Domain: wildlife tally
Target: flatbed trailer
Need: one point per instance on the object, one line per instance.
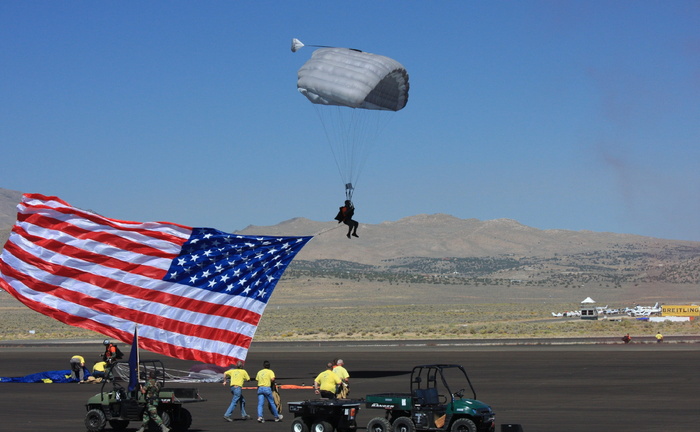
(325, 415)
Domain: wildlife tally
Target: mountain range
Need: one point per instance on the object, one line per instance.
(500, 248)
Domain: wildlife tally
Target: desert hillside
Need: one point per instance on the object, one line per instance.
(469, 251)
(498, 277)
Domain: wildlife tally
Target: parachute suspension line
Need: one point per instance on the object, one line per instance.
(351, 134)
(349, 189)
(341, 136)
(329, 138)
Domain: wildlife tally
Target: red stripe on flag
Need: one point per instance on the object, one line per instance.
(90, 257)
(100, 236)
(127, 314)
(157, 346)
(105, 275)
(102, 220)
(154, 296)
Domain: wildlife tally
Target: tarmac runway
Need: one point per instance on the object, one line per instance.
(545, 388)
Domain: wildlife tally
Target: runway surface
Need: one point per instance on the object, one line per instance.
(557, 388)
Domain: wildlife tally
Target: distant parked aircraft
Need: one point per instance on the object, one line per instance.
(636, 311)
(642, 311)
(566, 314)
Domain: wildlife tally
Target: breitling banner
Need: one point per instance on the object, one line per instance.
(680, 311)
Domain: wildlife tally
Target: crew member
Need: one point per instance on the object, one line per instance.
(344, 386)
(236, 376)
(99, 370)
(111, 353)
(77, 367)
(266, 378)
(151, 391)
(327, 382)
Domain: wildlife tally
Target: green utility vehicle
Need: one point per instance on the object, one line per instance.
(438, 401)
(117, 406)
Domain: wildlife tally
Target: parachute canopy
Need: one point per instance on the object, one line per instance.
(355, 79)
(337, 80)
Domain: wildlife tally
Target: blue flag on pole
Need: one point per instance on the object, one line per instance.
(134, 362)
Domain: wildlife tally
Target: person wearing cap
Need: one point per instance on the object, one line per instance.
(77, 367)
(236, 376)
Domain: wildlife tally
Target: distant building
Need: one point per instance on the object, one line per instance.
(588, 309)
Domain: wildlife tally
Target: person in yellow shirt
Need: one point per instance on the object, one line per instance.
(265, 378)
(77, 367)
(327, 382)
(98, 370)
(236, 376)
(344, 387)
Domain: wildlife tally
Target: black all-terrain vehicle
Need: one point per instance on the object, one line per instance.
(325, 415)
(117, 406)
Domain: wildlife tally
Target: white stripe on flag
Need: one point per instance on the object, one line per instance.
(105, 275)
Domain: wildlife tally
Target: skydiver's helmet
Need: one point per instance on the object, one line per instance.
(105, 342)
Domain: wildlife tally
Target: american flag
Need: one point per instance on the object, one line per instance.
(195, 293)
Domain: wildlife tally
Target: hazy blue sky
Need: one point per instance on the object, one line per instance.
(579, 115)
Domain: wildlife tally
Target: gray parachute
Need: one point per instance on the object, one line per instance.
(355, 79)
(352, 92)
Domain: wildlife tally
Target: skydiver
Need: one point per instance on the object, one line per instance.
(345, 214)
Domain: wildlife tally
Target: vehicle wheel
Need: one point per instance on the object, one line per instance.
(167, 418)
(322, 426)
(95, 420)
(403, 424)
(463, 425)
(180, 420)
(299, 425)
(378, 424)
(119, 425)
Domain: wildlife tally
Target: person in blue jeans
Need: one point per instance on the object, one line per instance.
(236, 376)
(265, 379)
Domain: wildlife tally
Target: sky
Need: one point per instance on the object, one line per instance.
(575, 115)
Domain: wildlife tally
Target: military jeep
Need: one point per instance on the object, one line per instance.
(118, 406)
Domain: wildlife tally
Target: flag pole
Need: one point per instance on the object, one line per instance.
(134, 361)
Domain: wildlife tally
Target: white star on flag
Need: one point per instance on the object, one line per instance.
(188, 289)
